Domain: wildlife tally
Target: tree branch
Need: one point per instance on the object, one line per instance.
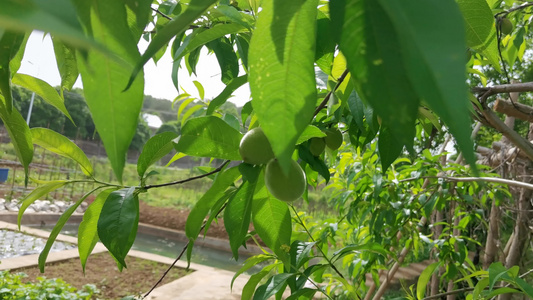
(487, 91)
(161, 13)
(188, 179)
(471, 179)
(517, 110)
(468, 289)
(326, 99)
(512, 135)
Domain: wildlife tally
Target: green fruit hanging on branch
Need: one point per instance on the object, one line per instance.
(255, 148)
(317, 146)
(506, 26)
(285, 187)
(333, 138)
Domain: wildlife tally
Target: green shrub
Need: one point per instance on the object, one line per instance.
(12, 287)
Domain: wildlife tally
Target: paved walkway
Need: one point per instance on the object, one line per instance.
(204, 283)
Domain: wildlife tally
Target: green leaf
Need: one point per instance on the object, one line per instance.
(272, 286)
(57, 229)
(314, 162)
(249, 288)
(435, 63)
(66, 63)
(20, 135)
(424, 278)
(57, 17)
(368, 247)
(325, 43)
(43, 89)
(209, 137)
(300, 253)
(226, 57)
(524, 286)
(14, 64)
(155, 148)
(59, 144)
(243, 43)
(389, 147)
(282, 76)
(504, 290)
(480, 29)
(238, 211)
(272, 222)
(309, 133)
(118, 222)
(172, 29)
(87, 231)
(37, 193)
(200, 89)
(10, 43)
(201, 208)
(306, 293)
(233, 85)
(239, 17)
(250, 262)
(373, 53)
(207, 36)
(496, 271)
(115, 112)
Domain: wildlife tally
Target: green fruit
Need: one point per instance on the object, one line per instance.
(255, 148)
(333, 138)
(283, 187)
(317, 146)
(506, 26)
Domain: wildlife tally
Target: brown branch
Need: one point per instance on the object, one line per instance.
(471, 179)
(522, 144)
(161, 13)
(188, 179)
(517, 110)
(468, 289)
(326, 99)
(487, 91)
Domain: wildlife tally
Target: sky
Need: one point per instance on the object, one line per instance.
(39, 61)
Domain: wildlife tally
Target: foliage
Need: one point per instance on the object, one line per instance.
(13, 287)
(394, 85)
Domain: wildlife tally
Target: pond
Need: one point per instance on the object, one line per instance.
(14, 243)
(171, 248)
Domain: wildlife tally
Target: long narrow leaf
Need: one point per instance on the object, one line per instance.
(61, 145)
(43, 89)
(172, 29)
(88, 231)
(282, 75)
(57, 229)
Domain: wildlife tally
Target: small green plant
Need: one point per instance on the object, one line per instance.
(12, 287)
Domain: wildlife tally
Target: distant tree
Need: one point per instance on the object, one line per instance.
(172, 126)
(141, 135)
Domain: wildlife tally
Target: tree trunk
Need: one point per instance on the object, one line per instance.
(493, 236)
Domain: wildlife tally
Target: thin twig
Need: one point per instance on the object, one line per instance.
(471, 179)
(180, 255)
(319, 248)
(188, 179)
(505, 13)
(326, 99)
(161, 13)
(468, 289)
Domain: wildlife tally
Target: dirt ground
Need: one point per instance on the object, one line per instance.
(102, 271)
(175, 219)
